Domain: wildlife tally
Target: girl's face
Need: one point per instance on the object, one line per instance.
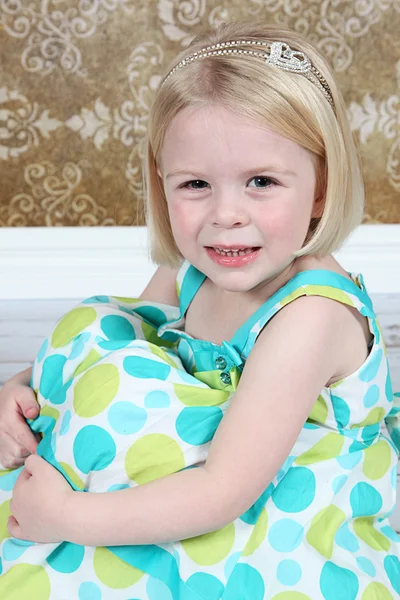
(232, 184)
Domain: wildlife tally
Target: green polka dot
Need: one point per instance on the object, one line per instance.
(150, 334)
(258, 534)
(114, 572)
(163, 355)
(74, 477)
(328, 447)
(374, 416)
(72, 324)
(127, 300)
(323, 529)
(49, 411)
(319, 411)
(92, 358)
(191, 395)
(330, 292)
(376, 591)
(291, 596)
(25, 582)
(153, 456)
(210, 548)
(364, 528)
(377, 460)
(95, 390)
(5, 512)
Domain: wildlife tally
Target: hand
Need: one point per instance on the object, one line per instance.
(38, 504)
(17, 403)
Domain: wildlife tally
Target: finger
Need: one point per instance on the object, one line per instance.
(26, 400)
(12, 450)
(23, 435)
(13, 528)
(33, 463)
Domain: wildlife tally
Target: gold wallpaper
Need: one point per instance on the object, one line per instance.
(77, 78)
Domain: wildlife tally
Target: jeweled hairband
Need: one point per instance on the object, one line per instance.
(278, 54)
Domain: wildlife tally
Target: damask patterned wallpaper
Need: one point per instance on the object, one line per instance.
(77, 78)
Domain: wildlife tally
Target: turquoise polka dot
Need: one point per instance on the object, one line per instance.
(285, 535)
(126, 418)
(370, 370)
(13, 548)
(7, 481)
(366, 566)
(117, 486)
(154, 315)
(51, 380)
(346, 539)
(288, 572)
(245, 583)
(66, 421)
(197, 425)
(231, 564)
(341, 411)
(365, 500)
(95, 299)
(348, 461)
(118, 329)
(296, 491)
(388, 388)
(392, 568)
(146, 368)
(1, 566)
(393, 477)
(157, 590)
(207, 586)
(372, 396)
(338, 483)
(78, 345)
(337, 583)
(157, 399)
(93, 449)
(66, 558)
(89, 591)
(43, 349)
(390, 533)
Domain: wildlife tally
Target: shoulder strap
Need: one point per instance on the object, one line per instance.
(306, 283)
(188, 281)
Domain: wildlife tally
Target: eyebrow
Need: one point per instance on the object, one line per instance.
(257, 170)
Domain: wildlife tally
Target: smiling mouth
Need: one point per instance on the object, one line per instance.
(234, 251)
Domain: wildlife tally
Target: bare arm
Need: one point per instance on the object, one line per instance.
(162, 287)
(282, 378)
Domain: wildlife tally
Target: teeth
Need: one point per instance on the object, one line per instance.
(233, 252)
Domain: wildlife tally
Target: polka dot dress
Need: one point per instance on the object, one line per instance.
(127, 397)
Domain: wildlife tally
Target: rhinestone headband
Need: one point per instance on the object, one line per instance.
(278, 54)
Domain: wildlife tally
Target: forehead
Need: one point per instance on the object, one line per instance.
(209, 132)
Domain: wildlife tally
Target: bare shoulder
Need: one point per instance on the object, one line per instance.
(323, 325)
(162, 287)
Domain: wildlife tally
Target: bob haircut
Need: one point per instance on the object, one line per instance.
(286, 102)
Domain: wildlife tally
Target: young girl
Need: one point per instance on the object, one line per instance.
(238, 404)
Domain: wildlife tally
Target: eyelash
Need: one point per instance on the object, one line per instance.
(272, 183)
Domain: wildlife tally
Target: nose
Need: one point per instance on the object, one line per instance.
(228, 210)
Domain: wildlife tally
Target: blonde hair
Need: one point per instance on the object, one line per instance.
(286, 102)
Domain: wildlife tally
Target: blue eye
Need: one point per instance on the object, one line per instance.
(262, 182)
(195, 184)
